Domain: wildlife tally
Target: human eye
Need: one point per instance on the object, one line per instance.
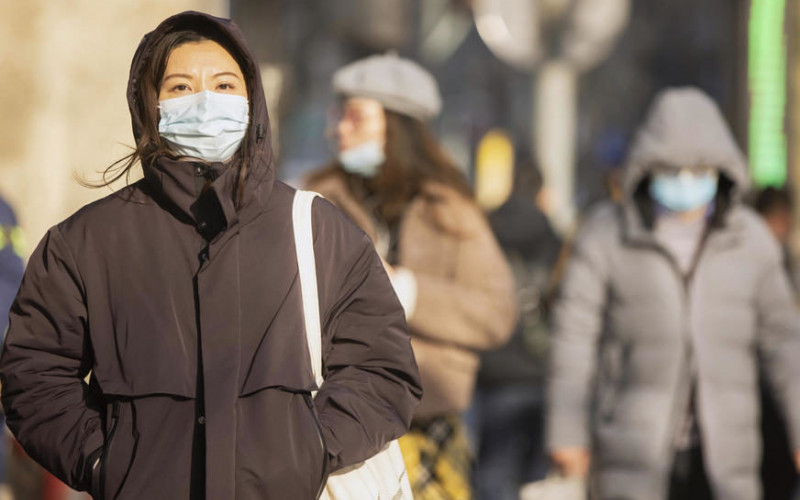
(180, 87)
(226, 86)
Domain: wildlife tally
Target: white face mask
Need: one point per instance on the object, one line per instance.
(682, 193)
(364, 160)
(205, 125)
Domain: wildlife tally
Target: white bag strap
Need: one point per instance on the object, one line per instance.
(307, 269)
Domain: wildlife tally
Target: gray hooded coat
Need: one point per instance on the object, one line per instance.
(633, 335)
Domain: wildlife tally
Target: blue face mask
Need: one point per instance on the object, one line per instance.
(681, 193)
(364, 160)
(205, 125)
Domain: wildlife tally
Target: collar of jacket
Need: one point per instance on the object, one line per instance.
(214, 210)
(178, 185)
(634, 231)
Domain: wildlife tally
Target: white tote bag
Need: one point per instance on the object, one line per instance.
(384, 475)
(555, 487)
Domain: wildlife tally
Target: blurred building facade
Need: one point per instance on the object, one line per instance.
(65, 67)
(64, 117)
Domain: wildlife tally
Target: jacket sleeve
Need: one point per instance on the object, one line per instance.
(476, 307)
(578, 322)
(372, 384)
(46, 357)
(779, 343)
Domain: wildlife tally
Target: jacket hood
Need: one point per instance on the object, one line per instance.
(258, 154)
(685, 128)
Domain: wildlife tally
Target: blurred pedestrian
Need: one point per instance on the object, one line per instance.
(776, 206)
(180, 294)
(393, 179)
(509, 399)
(11, 270)
(11, 265)
(671, 306)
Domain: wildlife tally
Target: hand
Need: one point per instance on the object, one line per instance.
(572, 462)
(797, 460)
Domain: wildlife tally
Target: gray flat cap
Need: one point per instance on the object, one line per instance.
(399, 84)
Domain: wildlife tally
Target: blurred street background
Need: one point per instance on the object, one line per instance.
(561, 84)
(564, 80)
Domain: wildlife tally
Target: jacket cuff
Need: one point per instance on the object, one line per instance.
(567, 431)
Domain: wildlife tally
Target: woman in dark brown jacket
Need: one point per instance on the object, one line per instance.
(180, 295)
(393, 179)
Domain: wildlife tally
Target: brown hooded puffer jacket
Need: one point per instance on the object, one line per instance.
(187, 311)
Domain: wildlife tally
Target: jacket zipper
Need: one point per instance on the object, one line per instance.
(107, 448)
(686, 281)
(310, 402)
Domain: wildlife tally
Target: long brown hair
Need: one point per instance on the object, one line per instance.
(413, 157)
(149, 144)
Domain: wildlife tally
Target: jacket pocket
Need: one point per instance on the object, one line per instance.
(119, 451)
(281, 451)
(98, 459)
(107, 448)
(613, 360)
(323, 445)
(94, 463)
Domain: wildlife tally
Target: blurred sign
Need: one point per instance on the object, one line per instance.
(511, 29)
(494, 170)
(525, 32)
(559, 39)
(767, 85)
(443, 28)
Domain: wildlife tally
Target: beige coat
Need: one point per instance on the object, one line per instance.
(465, 292)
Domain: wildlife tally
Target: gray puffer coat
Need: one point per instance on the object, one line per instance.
(633, 335)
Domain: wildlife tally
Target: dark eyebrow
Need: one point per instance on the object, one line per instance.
(227, 73)
(178, 75)
(189, 77)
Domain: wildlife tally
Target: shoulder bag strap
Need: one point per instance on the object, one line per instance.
(307, 269)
